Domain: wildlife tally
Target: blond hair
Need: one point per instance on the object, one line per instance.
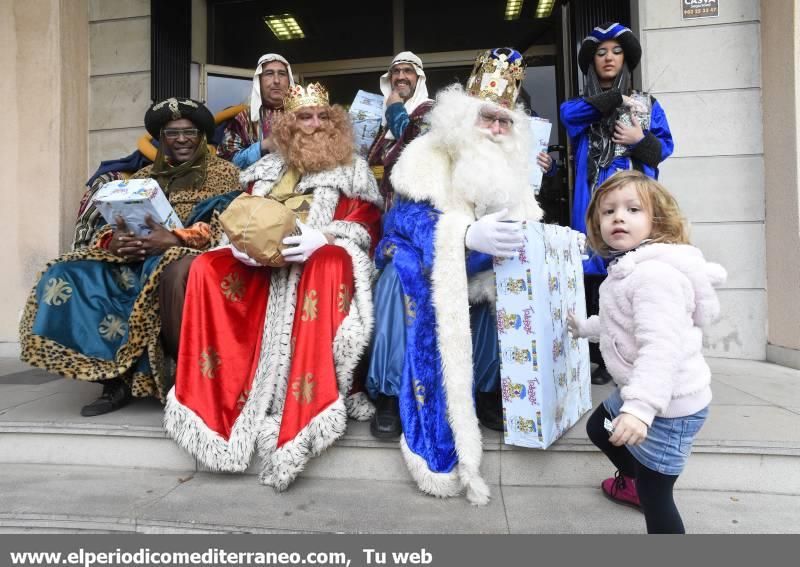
(669, 226)
(332, 145)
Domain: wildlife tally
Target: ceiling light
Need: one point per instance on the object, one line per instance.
(284, 26)
(545, 8)
(513, 9)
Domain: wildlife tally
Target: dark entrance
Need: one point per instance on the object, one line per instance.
(347, 45)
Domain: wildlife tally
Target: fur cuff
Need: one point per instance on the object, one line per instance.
(349, 231)
(605, 102)
(648, 150)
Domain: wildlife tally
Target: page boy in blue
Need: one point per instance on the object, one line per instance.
(602, 144)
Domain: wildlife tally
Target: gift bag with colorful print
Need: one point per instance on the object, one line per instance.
(544, 376)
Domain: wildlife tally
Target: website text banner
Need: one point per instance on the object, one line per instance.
(315, 550)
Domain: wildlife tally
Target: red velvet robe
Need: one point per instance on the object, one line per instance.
(232, 390)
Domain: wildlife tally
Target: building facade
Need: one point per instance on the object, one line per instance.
(78, 81)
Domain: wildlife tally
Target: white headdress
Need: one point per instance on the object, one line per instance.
(255, 94)
(420, 92)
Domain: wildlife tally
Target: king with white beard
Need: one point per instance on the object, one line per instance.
(461, 191)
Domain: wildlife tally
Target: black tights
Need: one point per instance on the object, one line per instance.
(654, 488)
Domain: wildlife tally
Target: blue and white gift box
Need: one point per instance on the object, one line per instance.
(133, 200)
(544, 375)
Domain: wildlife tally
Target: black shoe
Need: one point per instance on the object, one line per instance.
(385, 424)
(489, 408)
(601, 376)
(116, 394)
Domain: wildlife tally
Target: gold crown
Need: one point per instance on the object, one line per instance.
(497, 76)
(313, 95)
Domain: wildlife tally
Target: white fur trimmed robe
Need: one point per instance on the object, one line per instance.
(258, 424)
(432, 173)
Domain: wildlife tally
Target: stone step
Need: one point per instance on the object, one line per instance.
(71, 499)
(748, 444)
(572, 461)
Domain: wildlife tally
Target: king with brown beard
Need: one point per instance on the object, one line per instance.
(267, 355)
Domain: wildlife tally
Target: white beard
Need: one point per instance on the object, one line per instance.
(491, 172)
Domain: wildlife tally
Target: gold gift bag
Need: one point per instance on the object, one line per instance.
(257, 227)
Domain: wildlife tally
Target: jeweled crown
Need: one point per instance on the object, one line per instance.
(497, 76)
(312, 95)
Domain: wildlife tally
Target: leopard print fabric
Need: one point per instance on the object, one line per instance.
(144, 323)
(219, 176)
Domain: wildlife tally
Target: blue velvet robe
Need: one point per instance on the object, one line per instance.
(577, 115)
(408, 244)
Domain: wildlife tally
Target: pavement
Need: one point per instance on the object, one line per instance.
(119, 473)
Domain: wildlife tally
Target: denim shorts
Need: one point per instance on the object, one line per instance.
(669, 439)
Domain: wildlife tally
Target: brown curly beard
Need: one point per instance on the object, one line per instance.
(330, 146)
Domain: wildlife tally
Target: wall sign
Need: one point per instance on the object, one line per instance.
(700, 8)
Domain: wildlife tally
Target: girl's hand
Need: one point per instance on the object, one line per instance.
(628, 430)
(581, 243)
(628, 135)
(573, 324)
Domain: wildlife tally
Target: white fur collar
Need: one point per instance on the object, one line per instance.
(423, 173)
(354, 181)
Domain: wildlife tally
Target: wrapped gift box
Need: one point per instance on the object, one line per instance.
(641, 108)
(366, 114)
(133, 200)
(540, 138)
(544, 375)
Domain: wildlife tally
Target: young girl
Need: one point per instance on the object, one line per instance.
(657, 298)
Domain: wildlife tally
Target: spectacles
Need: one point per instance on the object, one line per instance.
(505, 122)
(616, 50)
(175, 133)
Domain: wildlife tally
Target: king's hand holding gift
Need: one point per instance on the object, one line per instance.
(493, 235)
(243, 257)
(126, 244)
(303, 246)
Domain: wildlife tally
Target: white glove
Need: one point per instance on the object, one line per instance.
(242, 257)
(490, 235)
(303, 246)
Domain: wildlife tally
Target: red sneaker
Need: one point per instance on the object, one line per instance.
(622, 490)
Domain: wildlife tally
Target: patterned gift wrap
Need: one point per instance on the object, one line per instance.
(544, 371)
(642, 106)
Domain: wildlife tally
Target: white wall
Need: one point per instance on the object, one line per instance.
(706, 73)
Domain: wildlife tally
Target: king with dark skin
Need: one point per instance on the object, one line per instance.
(124, 242)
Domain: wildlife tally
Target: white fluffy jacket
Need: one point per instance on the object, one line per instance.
(653, 307)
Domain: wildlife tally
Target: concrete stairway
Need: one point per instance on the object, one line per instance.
(748, 450)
